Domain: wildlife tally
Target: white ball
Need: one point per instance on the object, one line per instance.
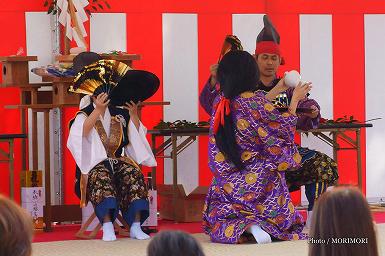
(292, 78)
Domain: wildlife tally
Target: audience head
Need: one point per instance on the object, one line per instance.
(342, 225)
(174, 243)
(15, 229)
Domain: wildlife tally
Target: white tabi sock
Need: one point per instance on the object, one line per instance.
(108, 232)
(136, 232)
(308, 219)
(261, 236)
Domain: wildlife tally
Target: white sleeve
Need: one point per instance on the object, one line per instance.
(138, 148)
(87, 151)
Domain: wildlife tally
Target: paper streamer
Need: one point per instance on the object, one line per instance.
(73, 20)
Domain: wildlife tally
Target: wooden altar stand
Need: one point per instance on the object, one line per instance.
(15, 73)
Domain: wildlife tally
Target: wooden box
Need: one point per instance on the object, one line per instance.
(60, 93)
(31, 179)
(188, 208)
(32, 199)
(15, 70)
(62, 96)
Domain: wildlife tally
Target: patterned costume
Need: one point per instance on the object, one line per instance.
(317, 171)
(258, 194)
(115, 181)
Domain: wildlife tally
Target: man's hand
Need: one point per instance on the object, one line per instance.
(132, 109)
(277, 89)
(213, 73)
(301, 90)
(101, 102)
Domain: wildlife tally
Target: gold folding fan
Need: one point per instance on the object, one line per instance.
(101, 76)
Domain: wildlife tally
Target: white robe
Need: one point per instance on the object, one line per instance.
(89, 151)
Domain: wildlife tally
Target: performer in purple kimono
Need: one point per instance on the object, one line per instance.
(251, 146)
(318, 171)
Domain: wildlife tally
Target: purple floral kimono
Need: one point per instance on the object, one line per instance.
(318, 170)
(257, 194)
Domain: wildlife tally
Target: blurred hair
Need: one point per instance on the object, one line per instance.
(174, 243)
(342, 213)
(16, 229)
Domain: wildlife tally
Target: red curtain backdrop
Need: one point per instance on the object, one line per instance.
(144, 37)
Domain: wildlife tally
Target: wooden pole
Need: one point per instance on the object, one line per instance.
(47, 174)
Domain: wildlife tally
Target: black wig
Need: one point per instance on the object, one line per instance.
(237, 73)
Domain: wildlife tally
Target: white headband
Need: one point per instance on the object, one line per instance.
(85, 101)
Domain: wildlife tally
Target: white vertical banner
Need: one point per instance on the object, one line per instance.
(247, 27)
(39, 43)
(374, 104)
(180, 87)
(316, 64)
(108, 32)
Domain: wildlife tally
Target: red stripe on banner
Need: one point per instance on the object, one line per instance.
(212, 30)
(288, 28)
(325, 6)
(191, 6)
(144, 37)
(349, 85)
(23, 6)
(10, 118)
(218, 6)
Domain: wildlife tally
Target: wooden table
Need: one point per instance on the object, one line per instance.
(340, 131)
(9, 157)
(186, 136)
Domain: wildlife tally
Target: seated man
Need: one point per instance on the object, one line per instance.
(108, 142)
(318, 171)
